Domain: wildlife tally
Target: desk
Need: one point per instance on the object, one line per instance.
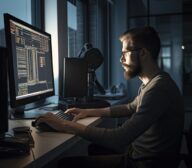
(51, 145)
(48, 145)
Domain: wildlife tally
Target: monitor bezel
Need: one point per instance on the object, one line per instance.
(23, 101)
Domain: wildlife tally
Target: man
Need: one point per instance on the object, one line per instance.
(156, 114)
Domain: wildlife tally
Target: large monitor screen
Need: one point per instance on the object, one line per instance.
(30, 62)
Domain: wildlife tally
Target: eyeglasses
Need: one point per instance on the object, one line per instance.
(130, 50)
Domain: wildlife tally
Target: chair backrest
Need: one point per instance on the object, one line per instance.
(189, 139)
(188, 159)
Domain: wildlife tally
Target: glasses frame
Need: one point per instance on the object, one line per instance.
(130, 50)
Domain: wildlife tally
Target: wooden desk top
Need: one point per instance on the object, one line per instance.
(48, 145)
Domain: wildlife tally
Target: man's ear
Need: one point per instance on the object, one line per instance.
(144, 54)
(143, 51)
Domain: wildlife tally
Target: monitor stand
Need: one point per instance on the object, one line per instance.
(87, 103)
(29, 114)
(35, 112)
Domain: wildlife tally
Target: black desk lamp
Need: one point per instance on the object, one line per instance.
(94, 59)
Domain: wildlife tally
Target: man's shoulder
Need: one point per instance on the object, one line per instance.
(163, 81)
(162, 78)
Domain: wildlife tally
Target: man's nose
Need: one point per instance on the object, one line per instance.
(122, 59)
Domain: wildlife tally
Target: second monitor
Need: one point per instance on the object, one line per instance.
(75, 86)
(75, 78)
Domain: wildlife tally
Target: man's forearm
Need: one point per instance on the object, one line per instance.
(99, 112)
(73, 128)
(78, 129)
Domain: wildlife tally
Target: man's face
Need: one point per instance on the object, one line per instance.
(130, 60)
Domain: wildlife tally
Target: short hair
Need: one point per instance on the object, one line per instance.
(145, 37)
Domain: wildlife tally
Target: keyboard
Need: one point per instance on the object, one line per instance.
(66, 116)
(46, 128)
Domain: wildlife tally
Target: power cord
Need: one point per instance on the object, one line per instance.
(34, 166)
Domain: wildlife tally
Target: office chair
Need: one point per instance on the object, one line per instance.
(186, 157)
(188, 136)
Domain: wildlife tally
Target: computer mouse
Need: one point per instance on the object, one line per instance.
(21, 129)
(44, 127)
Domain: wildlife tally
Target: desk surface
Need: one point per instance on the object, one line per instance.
(48, 145)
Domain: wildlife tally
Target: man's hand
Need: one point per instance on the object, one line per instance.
(53, 121)
(78, 113)
(60, 124)
(83, 113)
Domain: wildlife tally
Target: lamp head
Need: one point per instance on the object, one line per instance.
(92, 56)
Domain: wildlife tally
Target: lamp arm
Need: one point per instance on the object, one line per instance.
(99, 86)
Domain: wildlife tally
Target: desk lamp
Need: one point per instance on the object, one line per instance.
(94, 59)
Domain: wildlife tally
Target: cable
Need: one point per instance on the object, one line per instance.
(33, 154)
(33, 158)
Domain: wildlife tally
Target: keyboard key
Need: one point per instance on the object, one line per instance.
(66, 116)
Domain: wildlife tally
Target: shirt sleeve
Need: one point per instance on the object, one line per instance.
(125, 110)
(151, 109)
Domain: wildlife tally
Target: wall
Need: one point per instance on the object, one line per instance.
(20, 9)
(118, 26)
(168, 24)
(51, 26)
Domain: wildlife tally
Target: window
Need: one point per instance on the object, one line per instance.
(29, 11)
(72, 29)
(75, 27)
(166, 17)
(20, 9)
(87, 22)
(166, 58)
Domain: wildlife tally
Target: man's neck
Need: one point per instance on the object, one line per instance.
(149, 74)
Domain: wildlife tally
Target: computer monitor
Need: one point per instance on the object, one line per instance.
(75, 86)
(75, 78)
(30, 62)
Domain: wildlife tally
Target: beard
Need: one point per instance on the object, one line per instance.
(131, 71)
